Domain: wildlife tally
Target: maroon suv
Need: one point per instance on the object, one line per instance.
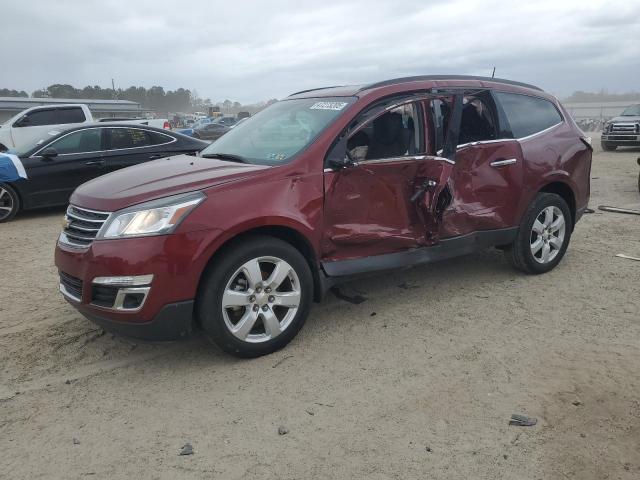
(316, 189)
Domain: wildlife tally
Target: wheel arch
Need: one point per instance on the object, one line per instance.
(565, 191)
(286, 233)
(18, 193)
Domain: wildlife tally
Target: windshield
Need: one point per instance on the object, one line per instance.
(277, 133)
(633, 110)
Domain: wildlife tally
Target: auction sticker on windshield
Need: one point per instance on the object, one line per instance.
(328, 105)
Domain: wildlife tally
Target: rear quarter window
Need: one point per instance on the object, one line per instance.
(69, 115)
(158, 138)
(528, 115)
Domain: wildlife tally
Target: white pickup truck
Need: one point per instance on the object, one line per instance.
(35, 123)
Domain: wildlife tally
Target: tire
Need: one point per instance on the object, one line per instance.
(9, 202)
(527, 252)
(257, 325)
(607, 147)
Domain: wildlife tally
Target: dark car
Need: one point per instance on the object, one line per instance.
(210, 131)
(622, 131)
(316, 189)
(58, 164)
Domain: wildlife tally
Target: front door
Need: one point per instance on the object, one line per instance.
(52, 179)
(384, 201)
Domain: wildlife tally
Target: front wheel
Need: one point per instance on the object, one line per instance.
(9, 203)
(543, 236)
(607, 147)
(256, 298)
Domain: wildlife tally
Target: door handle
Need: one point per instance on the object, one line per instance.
(100, 163)
(502, 163)
(155, 156)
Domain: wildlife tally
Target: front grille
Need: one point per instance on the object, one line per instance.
(103, 295)
(624, 128)
(82, 226)
(72, 285)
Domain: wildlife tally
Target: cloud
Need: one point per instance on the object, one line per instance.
(256, 50)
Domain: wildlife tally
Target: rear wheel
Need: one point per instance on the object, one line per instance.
(256, 298)
(9, 202)
(607, 147)
(543, 236)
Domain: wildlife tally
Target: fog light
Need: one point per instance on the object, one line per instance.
(124, 281)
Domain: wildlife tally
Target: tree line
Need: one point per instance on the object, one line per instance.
(154, 98)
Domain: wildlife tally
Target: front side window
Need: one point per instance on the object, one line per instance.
(395, 133)
(37, 119)
(82, 141)
(122, 138)
(277, 133)
(528, 115)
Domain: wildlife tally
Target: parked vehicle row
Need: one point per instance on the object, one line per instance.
(56, 165)
(316, 189)
(210, 128)
(34, 123)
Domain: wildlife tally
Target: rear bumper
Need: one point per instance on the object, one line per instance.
(173, 322)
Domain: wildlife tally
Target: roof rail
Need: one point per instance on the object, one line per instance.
(418, 78)
(314, 89)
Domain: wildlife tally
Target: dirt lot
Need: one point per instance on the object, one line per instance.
(417, 382)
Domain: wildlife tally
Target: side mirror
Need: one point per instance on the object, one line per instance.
(339, 156)
(49, 153)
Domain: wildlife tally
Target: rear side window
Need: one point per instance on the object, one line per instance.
(69, 115)
(82, 141)
(128, 138)
(528, 115)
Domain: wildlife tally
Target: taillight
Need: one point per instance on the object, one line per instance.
(166, 125)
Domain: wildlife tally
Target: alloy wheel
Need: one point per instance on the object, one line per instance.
(547, 234)
(6, 203)
(261, 299)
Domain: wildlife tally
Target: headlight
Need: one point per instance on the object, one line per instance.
(157, 217)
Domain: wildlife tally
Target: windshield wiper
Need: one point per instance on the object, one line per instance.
(225, 156)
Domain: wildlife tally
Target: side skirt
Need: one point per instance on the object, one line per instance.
(446, 248)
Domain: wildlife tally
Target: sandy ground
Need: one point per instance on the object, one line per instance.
(417, 382)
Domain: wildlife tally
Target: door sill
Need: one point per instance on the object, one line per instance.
(446, 248)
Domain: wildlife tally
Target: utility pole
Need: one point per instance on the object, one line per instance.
(113, 87)
(494, 72)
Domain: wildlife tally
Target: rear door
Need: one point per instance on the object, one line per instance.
(127, 146)
(52, 179)
(385, 200)
(486, 181)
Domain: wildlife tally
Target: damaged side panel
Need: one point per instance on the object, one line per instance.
(382, 207)
(485, 180)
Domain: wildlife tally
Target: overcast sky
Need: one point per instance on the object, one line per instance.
(255, 50)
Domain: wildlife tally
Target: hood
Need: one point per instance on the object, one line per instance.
(627, 118)
(157, 179)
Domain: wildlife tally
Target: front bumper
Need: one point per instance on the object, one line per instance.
(173, 322)
(620, 140)
(165, 310)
